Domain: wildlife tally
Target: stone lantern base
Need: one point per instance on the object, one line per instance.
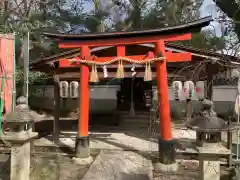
(209, 162)
(20, 154)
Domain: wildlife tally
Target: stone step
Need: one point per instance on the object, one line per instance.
(134, 123)
(129, 166)
(144, 128)
(134, 117)
(134, 120)
(136, 113)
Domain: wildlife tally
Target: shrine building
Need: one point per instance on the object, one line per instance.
(136, 57)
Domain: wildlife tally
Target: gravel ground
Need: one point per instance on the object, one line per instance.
(55, 167)
(189, 171)
(47, 166)
(159, 176)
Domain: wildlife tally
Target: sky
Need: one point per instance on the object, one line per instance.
(209, 8)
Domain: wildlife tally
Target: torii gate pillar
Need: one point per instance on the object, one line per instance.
(166, 144)
(82, 140)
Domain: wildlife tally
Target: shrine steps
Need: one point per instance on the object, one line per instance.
(139, 120)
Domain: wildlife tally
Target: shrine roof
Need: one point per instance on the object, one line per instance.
(194, 26)
(40, 62)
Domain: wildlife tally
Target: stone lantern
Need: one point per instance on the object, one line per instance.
(19, 138)
(209, 128)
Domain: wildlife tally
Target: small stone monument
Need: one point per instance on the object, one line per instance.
(209, 146)
(19, 139)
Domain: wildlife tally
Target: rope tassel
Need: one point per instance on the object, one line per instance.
(148, 72)
(120, 70)
(94, 74)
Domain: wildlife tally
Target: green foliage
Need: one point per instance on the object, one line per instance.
(34, 77)
(206, 40)
(158, 14)
(139, 15)
(67, 16)
(33, 16)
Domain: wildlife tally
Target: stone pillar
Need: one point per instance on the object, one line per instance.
(20, 161)
(166, 143)
(209, 160)
(19, 138)
(209, 168)
(82, 139)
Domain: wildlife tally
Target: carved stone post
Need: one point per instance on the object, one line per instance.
(19, 139)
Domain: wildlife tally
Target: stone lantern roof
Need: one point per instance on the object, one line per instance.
(17, 121)
(21, 114)
(207, 120)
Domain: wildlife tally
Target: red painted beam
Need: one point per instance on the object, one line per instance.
(171, 57)
(125, 41)
(121, 51)
(178, 57)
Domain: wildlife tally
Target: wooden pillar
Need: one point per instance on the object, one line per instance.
(132, 110)
(209, 82)
(166, 143)
(56, 128)
(82, 140)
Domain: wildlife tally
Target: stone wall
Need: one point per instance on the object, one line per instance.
(103, 99)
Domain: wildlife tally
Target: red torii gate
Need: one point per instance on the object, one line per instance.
(120, 40)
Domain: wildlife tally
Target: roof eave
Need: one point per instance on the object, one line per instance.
(194, 26)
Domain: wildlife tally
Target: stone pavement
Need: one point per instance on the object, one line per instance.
(119, 165)
(115, 163)
(135, 140)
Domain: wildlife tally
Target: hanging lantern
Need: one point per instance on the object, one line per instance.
(63, 89)
(74, 89)
(200, 91)
(177, 90)
(188, 89)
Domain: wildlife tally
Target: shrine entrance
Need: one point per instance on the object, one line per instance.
(150, 64)
(133, 90)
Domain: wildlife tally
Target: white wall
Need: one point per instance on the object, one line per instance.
(104, 92)
(220, 93)
(103, 98)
